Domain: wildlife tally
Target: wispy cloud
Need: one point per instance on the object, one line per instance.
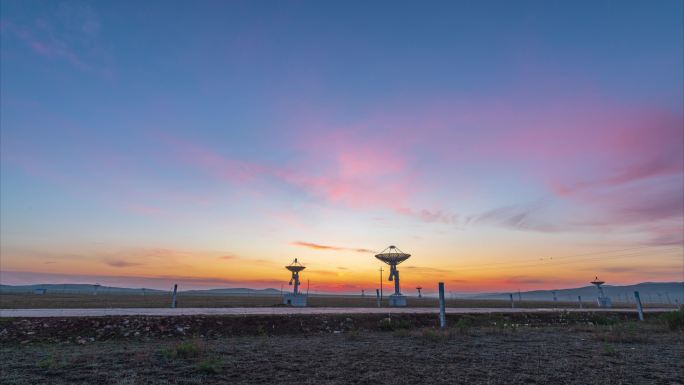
(427, 269)
(523, 280)
(318, 246)
(519, 217)
(121, 263)
(71, 33)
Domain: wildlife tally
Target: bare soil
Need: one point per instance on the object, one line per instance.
(359, 349)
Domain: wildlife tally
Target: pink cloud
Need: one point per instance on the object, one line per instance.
(338, 169)
(395, 158)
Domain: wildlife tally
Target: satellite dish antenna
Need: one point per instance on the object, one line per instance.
(393, 256)
(295, 298)
(602, 300)
(295, 267)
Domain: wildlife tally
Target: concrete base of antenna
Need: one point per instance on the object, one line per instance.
(297, 300)
(397, 300)
(604, 302)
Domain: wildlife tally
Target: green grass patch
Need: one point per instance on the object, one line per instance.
(388, 324)
(52, 361)
(609, 350)
(210, 366)
(674, 319)
(184, 349)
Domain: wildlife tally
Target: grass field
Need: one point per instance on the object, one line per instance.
(53, 301)
(486, 349)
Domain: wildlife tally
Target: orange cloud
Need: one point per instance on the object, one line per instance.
(317, 246)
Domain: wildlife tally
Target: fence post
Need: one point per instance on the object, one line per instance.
(637, 298)
(173, 299)
(442, 306)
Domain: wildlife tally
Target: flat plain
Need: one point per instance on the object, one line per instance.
(541, 348)
(85, 301)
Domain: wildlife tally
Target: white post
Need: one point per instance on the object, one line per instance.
(442, 306)
(173, 299)
(638, 303)
(512, 303)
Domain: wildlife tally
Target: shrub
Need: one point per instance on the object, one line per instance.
(186, 349)
(621, 333)
(674, 319)
(385, 324)
(463, 325)
(51, 362)
(388, 325)
(609, 350)
(431, 335)
(353, 335)
(167, 353)
(210, 366)
(600, 319)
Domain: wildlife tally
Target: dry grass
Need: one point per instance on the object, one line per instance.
(547, 355)
(54, 301)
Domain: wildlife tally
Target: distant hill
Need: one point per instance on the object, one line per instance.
(650, 292)
(90, 289)
(77, 288)
(239, 290)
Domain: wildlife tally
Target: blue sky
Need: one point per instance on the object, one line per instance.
(465, 132)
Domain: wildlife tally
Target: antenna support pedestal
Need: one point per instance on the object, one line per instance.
(397, 300)
(295, 298)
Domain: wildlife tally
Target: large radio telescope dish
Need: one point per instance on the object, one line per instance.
(392, 256)
(295, 266)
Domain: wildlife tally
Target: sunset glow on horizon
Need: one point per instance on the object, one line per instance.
(211, 143)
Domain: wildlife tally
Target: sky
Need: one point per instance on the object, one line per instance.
(506, 145)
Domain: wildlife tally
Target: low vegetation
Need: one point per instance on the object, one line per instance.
(674, 320)
(210, 366)
(478, 349)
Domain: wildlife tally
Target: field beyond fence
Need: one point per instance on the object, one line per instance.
(89, 301)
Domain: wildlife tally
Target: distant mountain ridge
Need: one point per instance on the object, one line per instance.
(77, 288)
(238, 290)
(654, 292)
(651, 292)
